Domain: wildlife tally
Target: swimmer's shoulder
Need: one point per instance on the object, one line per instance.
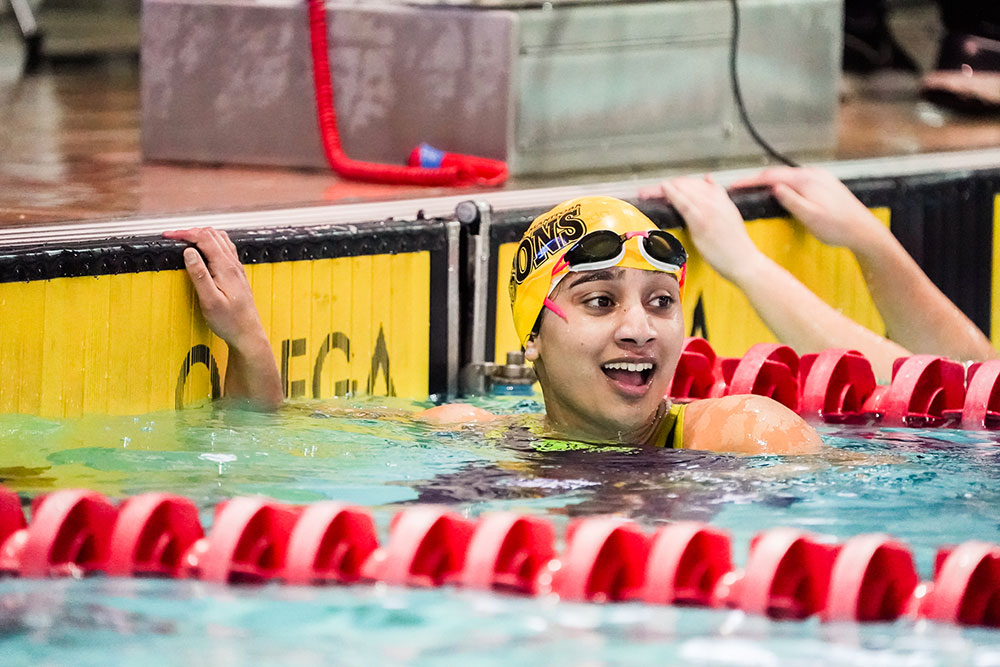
(747, 424)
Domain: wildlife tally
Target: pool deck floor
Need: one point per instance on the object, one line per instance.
(70, 150)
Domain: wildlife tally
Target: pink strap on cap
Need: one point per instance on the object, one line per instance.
(548, 303)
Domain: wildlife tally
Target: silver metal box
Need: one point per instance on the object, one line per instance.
(549, 89)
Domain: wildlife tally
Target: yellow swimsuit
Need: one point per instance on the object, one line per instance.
(671, 433)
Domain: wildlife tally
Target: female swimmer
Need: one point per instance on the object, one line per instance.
(596, 290)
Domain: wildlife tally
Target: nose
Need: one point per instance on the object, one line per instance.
(635, 328)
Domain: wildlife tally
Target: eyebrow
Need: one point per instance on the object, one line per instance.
(591, 276)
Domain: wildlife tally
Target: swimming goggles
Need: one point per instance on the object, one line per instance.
(604, 248)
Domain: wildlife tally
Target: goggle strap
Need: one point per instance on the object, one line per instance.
(548, 303)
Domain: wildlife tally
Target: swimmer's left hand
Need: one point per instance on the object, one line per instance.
(827, 208)
(714, 223)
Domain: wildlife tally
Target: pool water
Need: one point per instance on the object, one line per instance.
(926, 487)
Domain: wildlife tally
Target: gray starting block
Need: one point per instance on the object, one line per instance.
(551, 88)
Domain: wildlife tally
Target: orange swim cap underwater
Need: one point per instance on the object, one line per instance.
(538, 262)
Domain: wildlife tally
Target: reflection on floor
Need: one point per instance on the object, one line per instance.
(69, 148)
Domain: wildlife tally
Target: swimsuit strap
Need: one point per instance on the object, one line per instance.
(672, 428)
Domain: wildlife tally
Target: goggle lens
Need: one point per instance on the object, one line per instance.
(665, 248)
(598, 246)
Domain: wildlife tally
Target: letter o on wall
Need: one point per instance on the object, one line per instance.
(199, 354)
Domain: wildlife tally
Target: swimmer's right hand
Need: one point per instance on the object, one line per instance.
(229, 309)
(221, 284)
(822, 203)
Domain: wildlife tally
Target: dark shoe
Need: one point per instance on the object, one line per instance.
(968, 75)
(869, 47)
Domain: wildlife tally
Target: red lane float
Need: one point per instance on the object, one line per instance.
(151, 535)
(427, 547)
(787, 576)
(508, 552)
(11, 516)
(604, 561)
(966, 588)
(923, 389)
(835, 385)
(697, 374)
(838, 386)
(686, 561)
(69, 534)
(768, 369)
(331, 542)
(248, 542)
(982, 398)
(873, 579)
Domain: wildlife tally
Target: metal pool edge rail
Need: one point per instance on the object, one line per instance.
(444, 206)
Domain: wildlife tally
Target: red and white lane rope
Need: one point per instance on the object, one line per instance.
(788, 573)
(838, 386)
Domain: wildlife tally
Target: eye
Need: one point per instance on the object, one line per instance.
(662, 301)
(601, 301)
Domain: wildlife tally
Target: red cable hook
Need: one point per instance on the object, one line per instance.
(450, 169)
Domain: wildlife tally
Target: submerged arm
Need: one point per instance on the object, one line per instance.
(228, 306)
(455, 413)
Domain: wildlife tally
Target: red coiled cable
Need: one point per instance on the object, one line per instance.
(456, 169)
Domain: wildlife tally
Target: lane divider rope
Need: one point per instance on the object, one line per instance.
(788, 573)
(838, 385)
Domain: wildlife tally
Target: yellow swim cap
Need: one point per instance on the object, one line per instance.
(538, 258)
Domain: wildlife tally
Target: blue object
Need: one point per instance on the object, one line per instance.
(430, 157)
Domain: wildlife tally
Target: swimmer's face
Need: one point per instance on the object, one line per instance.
(606, 368)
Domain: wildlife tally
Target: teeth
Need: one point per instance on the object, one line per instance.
(625, 366)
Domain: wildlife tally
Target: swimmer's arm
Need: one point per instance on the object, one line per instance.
(789, 309)
(747, 425)
(801, 319)
(915, 311)
(229, 309)
(917, 314)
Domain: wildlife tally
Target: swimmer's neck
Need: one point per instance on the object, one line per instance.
(574, 429)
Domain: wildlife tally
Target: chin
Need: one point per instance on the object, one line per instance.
(627, 421)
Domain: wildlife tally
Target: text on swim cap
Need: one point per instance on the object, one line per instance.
(548, 237)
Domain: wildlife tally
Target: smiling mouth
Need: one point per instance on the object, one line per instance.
(629, 374)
